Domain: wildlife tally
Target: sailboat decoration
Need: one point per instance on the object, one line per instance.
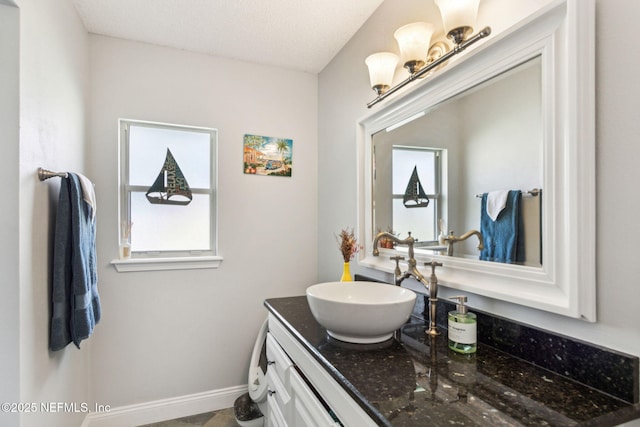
(414, 195)
(170, 187)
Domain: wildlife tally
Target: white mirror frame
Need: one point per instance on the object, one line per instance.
(563, 33)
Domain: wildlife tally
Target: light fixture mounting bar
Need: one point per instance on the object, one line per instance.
(430, 66)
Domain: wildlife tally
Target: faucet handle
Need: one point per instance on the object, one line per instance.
(397, 259)
(433, 264)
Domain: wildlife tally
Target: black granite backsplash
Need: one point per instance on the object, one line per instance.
(609, 371)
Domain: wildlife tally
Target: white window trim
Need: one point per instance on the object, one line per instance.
(160, 264)
(436, 197)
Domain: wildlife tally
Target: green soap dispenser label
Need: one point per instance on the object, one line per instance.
(463, 333)
(462, 328)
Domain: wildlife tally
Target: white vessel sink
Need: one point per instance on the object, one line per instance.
(360, 312)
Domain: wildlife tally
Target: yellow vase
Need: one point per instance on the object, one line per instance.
(346, 273)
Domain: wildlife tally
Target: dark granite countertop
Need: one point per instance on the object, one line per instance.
(415, 380)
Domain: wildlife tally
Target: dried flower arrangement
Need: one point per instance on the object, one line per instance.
(348, 244)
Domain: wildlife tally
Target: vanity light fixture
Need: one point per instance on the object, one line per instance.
(418, 55)
(381, 65)
(414, 40)
(458, 17)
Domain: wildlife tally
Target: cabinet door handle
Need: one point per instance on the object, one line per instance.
(271, 392)
(271, 362)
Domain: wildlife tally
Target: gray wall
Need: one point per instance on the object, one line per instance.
(173, 333)
(9, 135)
(344, 92)
(53, 93)
(162, 334)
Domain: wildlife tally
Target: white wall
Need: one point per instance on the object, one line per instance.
(167, 334)
(53, 76)
(344, 92)
(9, 135)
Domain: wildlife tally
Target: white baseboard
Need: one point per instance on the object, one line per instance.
(165, 409)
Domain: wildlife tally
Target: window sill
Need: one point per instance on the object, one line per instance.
(158, 264)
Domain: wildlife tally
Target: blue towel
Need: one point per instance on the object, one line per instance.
(504, 237)
(74, 294)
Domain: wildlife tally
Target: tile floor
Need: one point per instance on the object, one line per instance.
(221, 418)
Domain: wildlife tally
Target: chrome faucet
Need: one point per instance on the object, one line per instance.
(451, 239)
(430, 283)
(433, 297)
(412, 271)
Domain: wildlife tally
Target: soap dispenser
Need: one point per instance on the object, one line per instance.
(462, 328)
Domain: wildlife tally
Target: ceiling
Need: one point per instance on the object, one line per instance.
(295, 34)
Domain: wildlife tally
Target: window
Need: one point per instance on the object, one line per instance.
(168, 196)
(421, 221)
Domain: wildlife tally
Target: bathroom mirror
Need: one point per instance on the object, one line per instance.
(528, 94)
(480, 140)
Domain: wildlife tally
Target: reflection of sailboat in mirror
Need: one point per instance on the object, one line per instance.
(414, 195)
(170, 187)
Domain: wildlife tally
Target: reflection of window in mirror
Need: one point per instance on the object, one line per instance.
(421, 221)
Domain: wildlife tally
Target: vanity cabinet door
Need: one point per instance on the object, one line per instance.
(275, 418)
(278, 391)
(306, 408)
(278, 359)
(278, 397)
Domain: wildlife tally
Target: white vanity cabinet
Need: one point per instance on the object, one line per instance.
(301, 391)
(291, 401)
(278, 395)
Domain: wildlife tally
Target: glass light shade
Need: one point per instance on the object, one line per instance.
(414, 40)
(382, 66)
(458, 13)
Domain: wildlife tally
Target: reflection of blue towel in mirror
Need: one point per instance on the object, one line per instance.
(504, 237)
